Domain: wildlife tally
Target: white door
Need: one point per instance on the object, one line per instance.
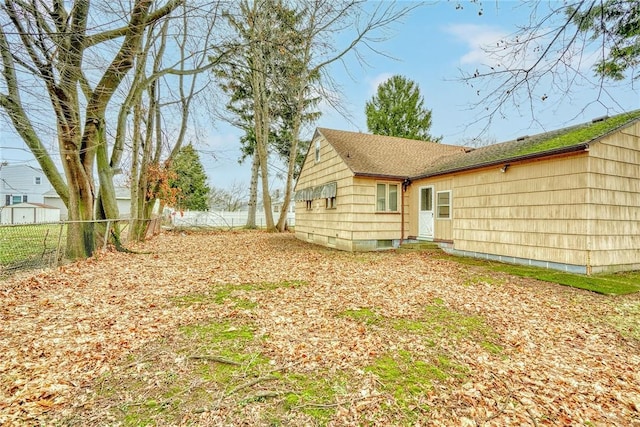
(425, 215)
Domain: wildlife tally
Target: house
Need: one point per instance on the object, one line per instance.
(22, 183)
(28, 213)
(123, 198)
(567, 199)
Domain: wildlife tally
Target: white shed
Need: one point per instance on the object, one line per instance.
(29, 213)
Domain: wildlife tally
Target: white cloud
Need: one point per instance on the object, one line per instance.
(477, 38)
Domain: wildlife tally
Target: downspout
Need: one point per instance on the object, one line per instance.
(405, 184)
(589, 220)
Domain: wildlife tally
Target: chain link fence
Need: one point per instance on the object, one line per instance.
(33, 246)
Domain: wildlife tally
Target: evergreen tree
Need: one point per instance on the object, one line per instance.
(398, 109)
(191, 180)
(617, 24)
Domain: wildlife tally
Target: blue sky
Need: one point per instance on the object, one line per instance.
(430, 46)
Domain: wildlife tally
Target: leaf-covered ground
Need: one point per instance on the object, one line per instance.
(251, 328)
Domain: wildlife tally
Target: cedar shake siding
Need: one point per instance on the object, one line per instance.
(567, 199)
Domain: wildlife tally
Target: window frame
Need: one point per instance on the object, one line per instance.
(449, 205)
(387, 197)
(330, 202)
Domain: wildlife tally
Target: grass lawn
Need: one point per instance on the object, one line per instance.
(29, 243)
(261, 329)
(622, 283)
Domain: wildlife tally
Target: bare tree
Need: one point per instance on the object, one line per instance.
(318, 50)
(287, 51)
(165, 91)
(48, 42)
(566, 47)
(230, 199)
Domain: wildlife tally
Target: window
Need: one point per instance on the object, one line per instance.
(387, 197)
(317, 150)
(444, 204)
(426, 199)
(384, 244)
(309, 204)
(7, 200)
(330, 202)
(37, 180)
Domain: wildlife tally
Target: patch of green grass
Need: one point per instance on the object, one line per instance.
(483, 279)
(199, 367)
(439, 320)
(364, 315)
(492, 347)
(314, 394)
(605, 283)
(27, 243)
(222, 339)
(408, 378)
(626, 320)
(222, 293)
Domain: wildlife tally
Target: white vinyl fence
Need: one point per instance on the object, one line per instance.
(221, 219)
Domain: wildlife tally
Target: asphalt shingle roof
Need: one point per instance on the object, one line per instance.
(573, 138)
(385, 156)
(376, 155)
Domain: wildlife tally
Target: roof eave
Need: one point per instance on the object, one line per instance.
(380, 176)
(565, 150)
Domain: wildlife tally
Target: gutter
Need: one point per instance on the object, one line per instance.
(376, 175)
(405, 184)
(564, 150)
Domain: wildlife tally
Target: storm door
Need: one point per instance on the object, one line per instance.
(425, 215)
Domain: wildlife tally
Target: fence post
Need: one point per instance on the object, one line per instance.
(59, 243)
(106, 235)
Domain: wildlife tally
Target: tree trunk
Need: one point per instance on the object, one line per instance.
(262, 119)
(80, 231)
(293, 155)
(253, 192)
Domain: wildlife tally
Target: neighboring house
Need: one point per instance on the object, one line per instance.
(123, 198)
(22, 183)
(567, 199)
(28, 213)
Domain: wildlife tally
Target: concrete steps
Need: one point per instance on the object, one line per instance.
(419, 246)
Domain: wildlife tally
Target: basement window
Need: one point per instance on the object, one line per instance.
(384, 244)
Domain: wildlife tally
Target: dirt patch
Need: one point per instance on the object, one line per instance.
(252, 328)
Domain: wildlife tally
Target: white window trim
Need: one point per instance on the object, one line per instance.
(386, 197)
(450, 205)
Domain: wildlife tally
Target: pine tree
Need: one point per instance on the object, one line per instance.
(191, 180)
(398, 109)
(617, 24)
